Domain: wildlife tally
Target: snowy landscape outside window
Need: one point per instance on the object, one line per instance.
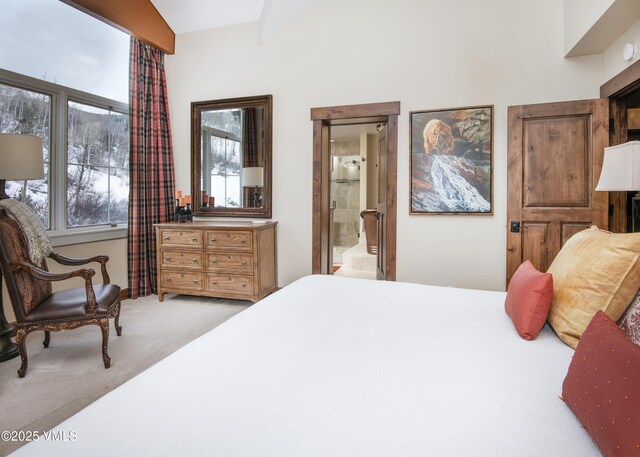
(64, 76)
(223, 129)
(97, 166)
(27, 112)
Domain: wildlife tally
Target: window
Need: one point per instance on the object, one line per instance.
(28, 112)
(97, 166)
(86, 154)
(222, 132)
(68, 85)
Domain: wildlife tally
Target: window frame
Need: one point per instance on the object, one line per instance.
(208, 133)
(59, 233)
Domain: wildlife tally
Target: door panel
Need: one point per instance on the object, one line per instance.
(534, 236)
(554, 159)
(556, 141)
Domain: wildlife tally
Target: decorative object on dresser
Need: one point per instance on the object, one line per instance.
(224, 259)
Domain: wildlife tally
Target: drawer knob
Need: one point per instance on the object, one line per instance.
(244, 262)
(214, 282)
(194, 239)
(167, 238)
(214, 260)
(229, 257)
(168, 279)
(243, 240)
(213, 238)
(194, 260)
(244, 284)
(195, 281)
(168, 257)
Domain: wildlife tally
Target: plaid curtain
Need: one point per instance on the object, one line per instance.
(151, 171)
(249, 150)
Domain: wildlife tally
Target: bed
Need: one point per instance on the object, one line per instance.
(336, 366)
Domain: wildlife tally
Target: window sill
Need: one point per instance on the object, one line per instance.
(87, 236)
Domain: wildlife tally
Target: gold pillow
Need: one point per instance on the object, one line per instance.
(594, 270)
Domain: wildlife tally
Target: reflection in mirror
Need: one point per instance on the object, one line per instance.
(231, 160)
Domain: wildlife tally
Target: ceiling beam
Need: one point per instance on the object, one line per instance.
(138, 18)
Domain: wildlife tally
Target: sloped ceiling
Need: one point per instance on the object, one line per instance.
(192, 15)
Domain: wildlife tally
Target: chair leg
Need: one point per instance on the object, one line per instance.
(104, 326)
(21, 336)
(117, 320)
(47, 337)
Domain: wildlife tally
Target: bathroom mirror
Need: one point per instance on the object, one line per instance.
(231, 157)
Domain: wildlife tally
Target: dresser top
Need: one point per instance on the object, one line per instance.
(217, 224)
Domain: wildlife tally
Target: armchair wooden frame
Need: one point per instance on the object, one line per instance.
(93, 315)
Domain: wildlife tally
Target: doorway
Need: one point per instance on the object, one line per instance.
(623, 92)
(353, 190)
(327, 161)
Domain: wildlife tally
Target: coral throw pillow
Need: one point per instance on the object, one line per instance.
(595, 270)
(528, 300)
(601, 387)
(630, 322)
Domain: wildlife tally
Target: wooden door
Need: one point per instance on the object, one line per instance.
(555, 156)
(381, 215)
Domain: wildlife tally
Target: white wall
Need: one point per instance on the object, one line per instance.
(579, 17)
(425, 54)
(612, 62)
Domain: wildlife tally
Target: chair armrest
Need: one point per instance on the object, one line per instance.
(101, 259)
(85, 273)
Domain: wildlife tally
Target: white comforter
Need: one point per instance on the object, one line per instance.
(333, 366)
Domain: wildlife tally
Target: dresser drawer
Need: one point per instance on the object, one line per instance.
(181, 259)
(174, 237)
(237, 240)
(178, 280)
(238, 262)
(237, 284)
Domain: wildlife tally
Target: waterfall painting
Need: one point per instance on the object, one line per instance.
(452, 161)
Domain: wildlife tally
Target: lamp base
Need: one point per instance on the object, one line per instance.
(8, 349)
(3, 193)
(635, 212)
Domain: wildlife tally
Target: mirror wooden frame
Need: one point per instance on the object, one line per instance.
(260, 101)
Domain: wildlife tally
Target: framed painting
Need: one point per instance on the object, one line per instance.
(452, 161)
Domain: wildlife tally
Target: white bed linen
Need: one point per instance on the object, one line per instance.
(334, 366)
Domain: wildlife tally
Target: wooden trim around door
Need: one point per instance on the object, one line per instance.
(623, 83)
(322, 119)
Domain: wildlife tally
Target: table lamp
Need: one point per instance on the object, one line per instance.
(252, 177)
(20, 159)
(621, 172)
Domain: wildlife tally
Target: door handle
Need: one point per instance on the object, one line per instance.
(334, 205)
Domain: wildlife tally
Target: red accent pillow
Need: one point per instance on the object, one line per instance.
(602, 387)
(528, 300)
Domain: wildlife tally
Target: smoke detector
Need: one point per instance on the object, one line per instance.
(628, 52)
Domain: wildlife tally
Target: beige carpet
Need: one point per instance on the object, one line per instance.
(69, 375)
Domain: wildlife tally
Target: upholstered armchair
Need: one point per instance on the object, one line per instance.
(36, 307)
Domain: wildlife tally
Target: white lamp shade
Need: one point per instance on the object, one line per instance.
(252, 176)
(621, 168)
(21, 157)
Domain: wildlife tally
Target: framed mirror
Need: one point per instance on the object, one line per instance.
(231, 157)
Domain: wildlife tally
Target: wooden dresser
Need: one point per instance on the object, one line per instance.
(224, 259)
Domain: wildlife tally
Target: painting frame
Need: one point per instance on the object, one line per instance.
(451, 161)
